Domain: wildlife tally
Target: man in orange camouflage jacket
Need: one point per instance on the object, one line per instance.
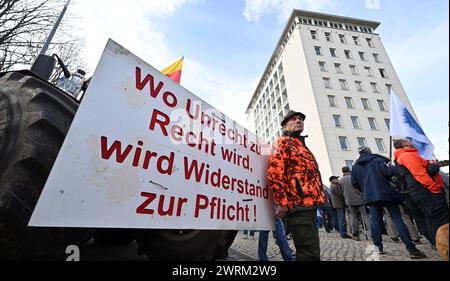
(293, 174)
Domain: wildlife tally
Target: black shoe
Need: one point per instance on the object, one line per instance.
(417, 254)
(346, 236)
(417, 241)
(356, 237)
(380, 251)
(395, 239)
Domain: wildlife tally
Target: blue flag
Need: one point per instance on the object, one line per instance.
(403, 125)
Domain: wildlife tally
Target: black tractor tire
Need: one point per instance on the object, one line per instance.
(185, 245)
(114, 237)
(34, 120)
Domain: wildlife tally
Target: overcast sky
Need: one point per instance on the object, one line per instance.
(227, 45)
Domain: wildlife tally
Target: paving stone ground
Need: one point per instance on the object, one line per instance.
(332, 248)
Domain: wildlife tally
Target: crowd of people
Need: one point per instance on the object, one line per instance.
(406, 197)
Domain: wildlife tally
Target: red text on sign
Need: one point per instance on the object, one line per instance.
(165, 207)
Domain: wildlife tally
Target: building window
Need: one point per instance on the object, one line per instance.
(349, 103)
(389, 88)
(375, 88)
(380, 145)
(333, 52)
(282, 82)
(338, 68)
(349, 164)
(368, 71)
(355, 122)
(372, 123)
(313, 35)
(359, 86)
(348, 54)
(382, 105)
(343, 84)
(344, 143)
(365, 104)
(388, 123)
(328, 37)
(286, 109)
(318, 50)
(383, 73)
(337, 25)
(362, 142)
(320, 23)
(370, 42)
(356, 40)
(362, 56)
(284, 93)
(337, 121)
(322, 66)
(342, 39)
(376, 57)
(280, 68)
(327, 83)
(332, 101)
(353, 69)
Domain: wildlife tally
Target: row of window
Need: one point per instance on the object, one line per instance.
(343, 141)
(347, 53)
(270, 122)
(336, 25)
(342, 38)
(272, 89)
(359, 85)
(271, 108)
(353, 69)
(356, 124)
(350, 105)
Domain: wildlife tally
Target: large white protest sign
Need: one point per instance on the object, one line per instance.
(143, 152)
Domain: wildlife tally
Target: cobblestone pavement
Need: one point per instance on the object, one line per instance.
(332, 248)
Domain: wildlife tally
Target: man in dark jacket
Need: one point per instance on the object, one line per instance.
(371, 174)
(353, 199)
(328, 213)
(338, 202)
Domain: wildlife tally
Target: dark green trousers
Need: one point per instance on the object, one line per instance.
(302, 225)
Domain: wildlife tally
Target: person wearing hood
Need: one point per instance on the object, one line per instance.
(423, 183)
(371, 174)
(294, 177)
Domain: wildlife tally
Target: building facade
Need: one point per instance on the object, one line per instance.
(337, 72)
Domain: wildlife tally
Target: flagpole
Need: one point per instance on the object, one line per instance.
(390, 136)
(390, 147)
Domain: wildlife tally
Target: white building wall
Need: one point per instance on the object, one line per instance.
(307, 93)
(302, 98)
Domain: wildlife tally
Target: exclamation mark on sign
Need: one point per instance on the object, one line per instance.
(254, 211)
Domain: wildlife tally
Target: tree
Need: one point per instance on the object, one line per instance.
(24, 25)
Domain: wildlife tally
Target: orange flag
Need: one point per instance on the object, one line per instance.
(174, 70)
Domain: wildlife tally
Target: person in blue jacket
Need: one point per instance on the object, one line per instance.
(371, 174)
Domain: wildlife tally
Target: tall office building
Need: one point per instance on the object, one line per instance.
(335, 70)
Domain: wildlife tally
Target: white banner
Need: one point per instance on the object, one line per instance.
(143, 152)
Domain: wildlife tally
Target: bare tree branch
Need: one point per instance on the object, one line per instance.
(24, 25)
